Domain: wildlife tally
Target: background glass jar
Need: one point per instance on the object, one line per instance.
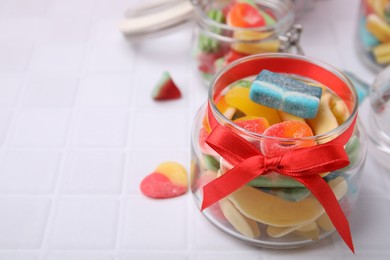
(256, 217)
(373, 33)
(221, 36)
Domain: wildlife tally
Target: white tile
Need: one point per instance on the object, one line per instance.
(100, 128)
(144, 84)
(5, 120)
(58, 57)
(153, 58)
(29, 171)
(50, 91)
(10, 85)
(165, 127)
(15, 29)
(71, 8)
(142, 163)
(330, 56)
(113, 9)
(154, 255)
(40, 127)
(93, 172)
(107, 30)
(155, 224)
(111, 57)
(14, 55)
(105, 90)
(84, 224)
(230, 256)
(60, 30)
(17, 231)
(78, 256)
(17, 256)
(24, 8)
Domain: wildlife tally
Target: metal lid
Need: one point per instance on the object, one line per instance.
(156, 16)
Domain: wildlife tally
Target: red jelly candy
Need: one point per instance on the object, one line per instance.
(232, 56)
(253, 124)
(166, 89)
(286, 129)
(168, 180)
(245, 15)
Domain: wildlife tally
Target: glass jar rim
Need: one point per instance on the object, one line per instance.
(287, 20)
(309, 60)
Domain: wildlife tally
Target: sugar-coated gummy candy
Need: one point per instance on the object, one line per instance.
(325, 223)
(239, 98)
(168, 180)
(286, 129)
(286, 94)
(166, 89)
(246, 226)
(275, 180)
(247, 200)
(254, 124)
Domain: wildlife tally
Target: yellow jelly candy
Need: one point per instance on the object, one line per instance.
(378, 27)
(239, 98)
(309, 230)
(325, 120)
(242, 224)
(284, 116)
(339, 110)
(274, 211)
(325, 223)
(225, 109)
(176, 172)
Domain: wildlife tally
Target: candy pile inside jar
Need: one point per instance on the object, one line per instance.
(240, 28)
(374, 30)
(272, 205)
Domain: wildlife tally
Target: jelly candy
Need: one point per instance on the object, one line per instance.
(247, 199)
(253, 124)
(247, 42)
(275, 180)
(166, 89)
(210, 162)
(168, 180)
(325, 223)
(325, 120)
(225, 109)
(207, 44)
(239, 98)
(378, 27)
(284, 116)
(245, 15)
(246, 226)
(286, 94)
(286, 129)
(310, 231)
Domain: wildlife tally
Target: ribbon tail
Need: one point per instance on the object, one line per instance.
(326, 197)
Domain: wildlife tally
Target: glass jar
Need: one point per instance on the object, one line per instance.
(373, 41)
(378, 126)
(278, 211)
(222, 35)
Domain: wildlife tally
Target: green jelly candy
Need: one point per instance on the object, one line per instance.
(242, 84)
(211, 163)
(275, 180)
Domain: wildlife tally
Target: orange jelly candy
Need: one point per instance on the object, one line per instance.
(286, 129)
(253, 124)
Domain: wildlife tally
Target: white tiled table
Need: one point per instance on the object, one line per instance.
(78, 132)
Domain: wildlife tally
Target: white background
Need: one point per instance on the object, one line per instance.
(79, 131)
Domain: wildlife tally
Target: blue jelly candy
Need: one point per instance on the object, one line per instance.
(286, 94)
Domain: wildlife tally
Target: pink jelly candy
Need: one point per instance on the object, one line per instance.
(168, 180)
(253, 124)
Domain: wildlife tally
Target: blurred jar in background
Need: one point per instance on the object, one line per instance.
(229, 30)
(374, 33)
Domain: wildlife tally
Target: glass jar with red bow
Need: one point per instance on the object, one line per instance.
(267, 169)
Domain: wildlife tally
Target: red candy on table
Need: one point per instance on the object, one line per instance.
(168, 180)
(166, 89)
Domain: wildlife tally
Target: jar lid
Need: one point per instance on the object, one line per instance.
(155, 16)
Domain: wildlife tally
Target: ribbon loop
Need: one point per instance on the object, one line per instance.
(272, 163)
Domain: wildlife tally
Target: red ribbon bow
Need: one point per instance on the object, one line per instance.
(303, 164)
